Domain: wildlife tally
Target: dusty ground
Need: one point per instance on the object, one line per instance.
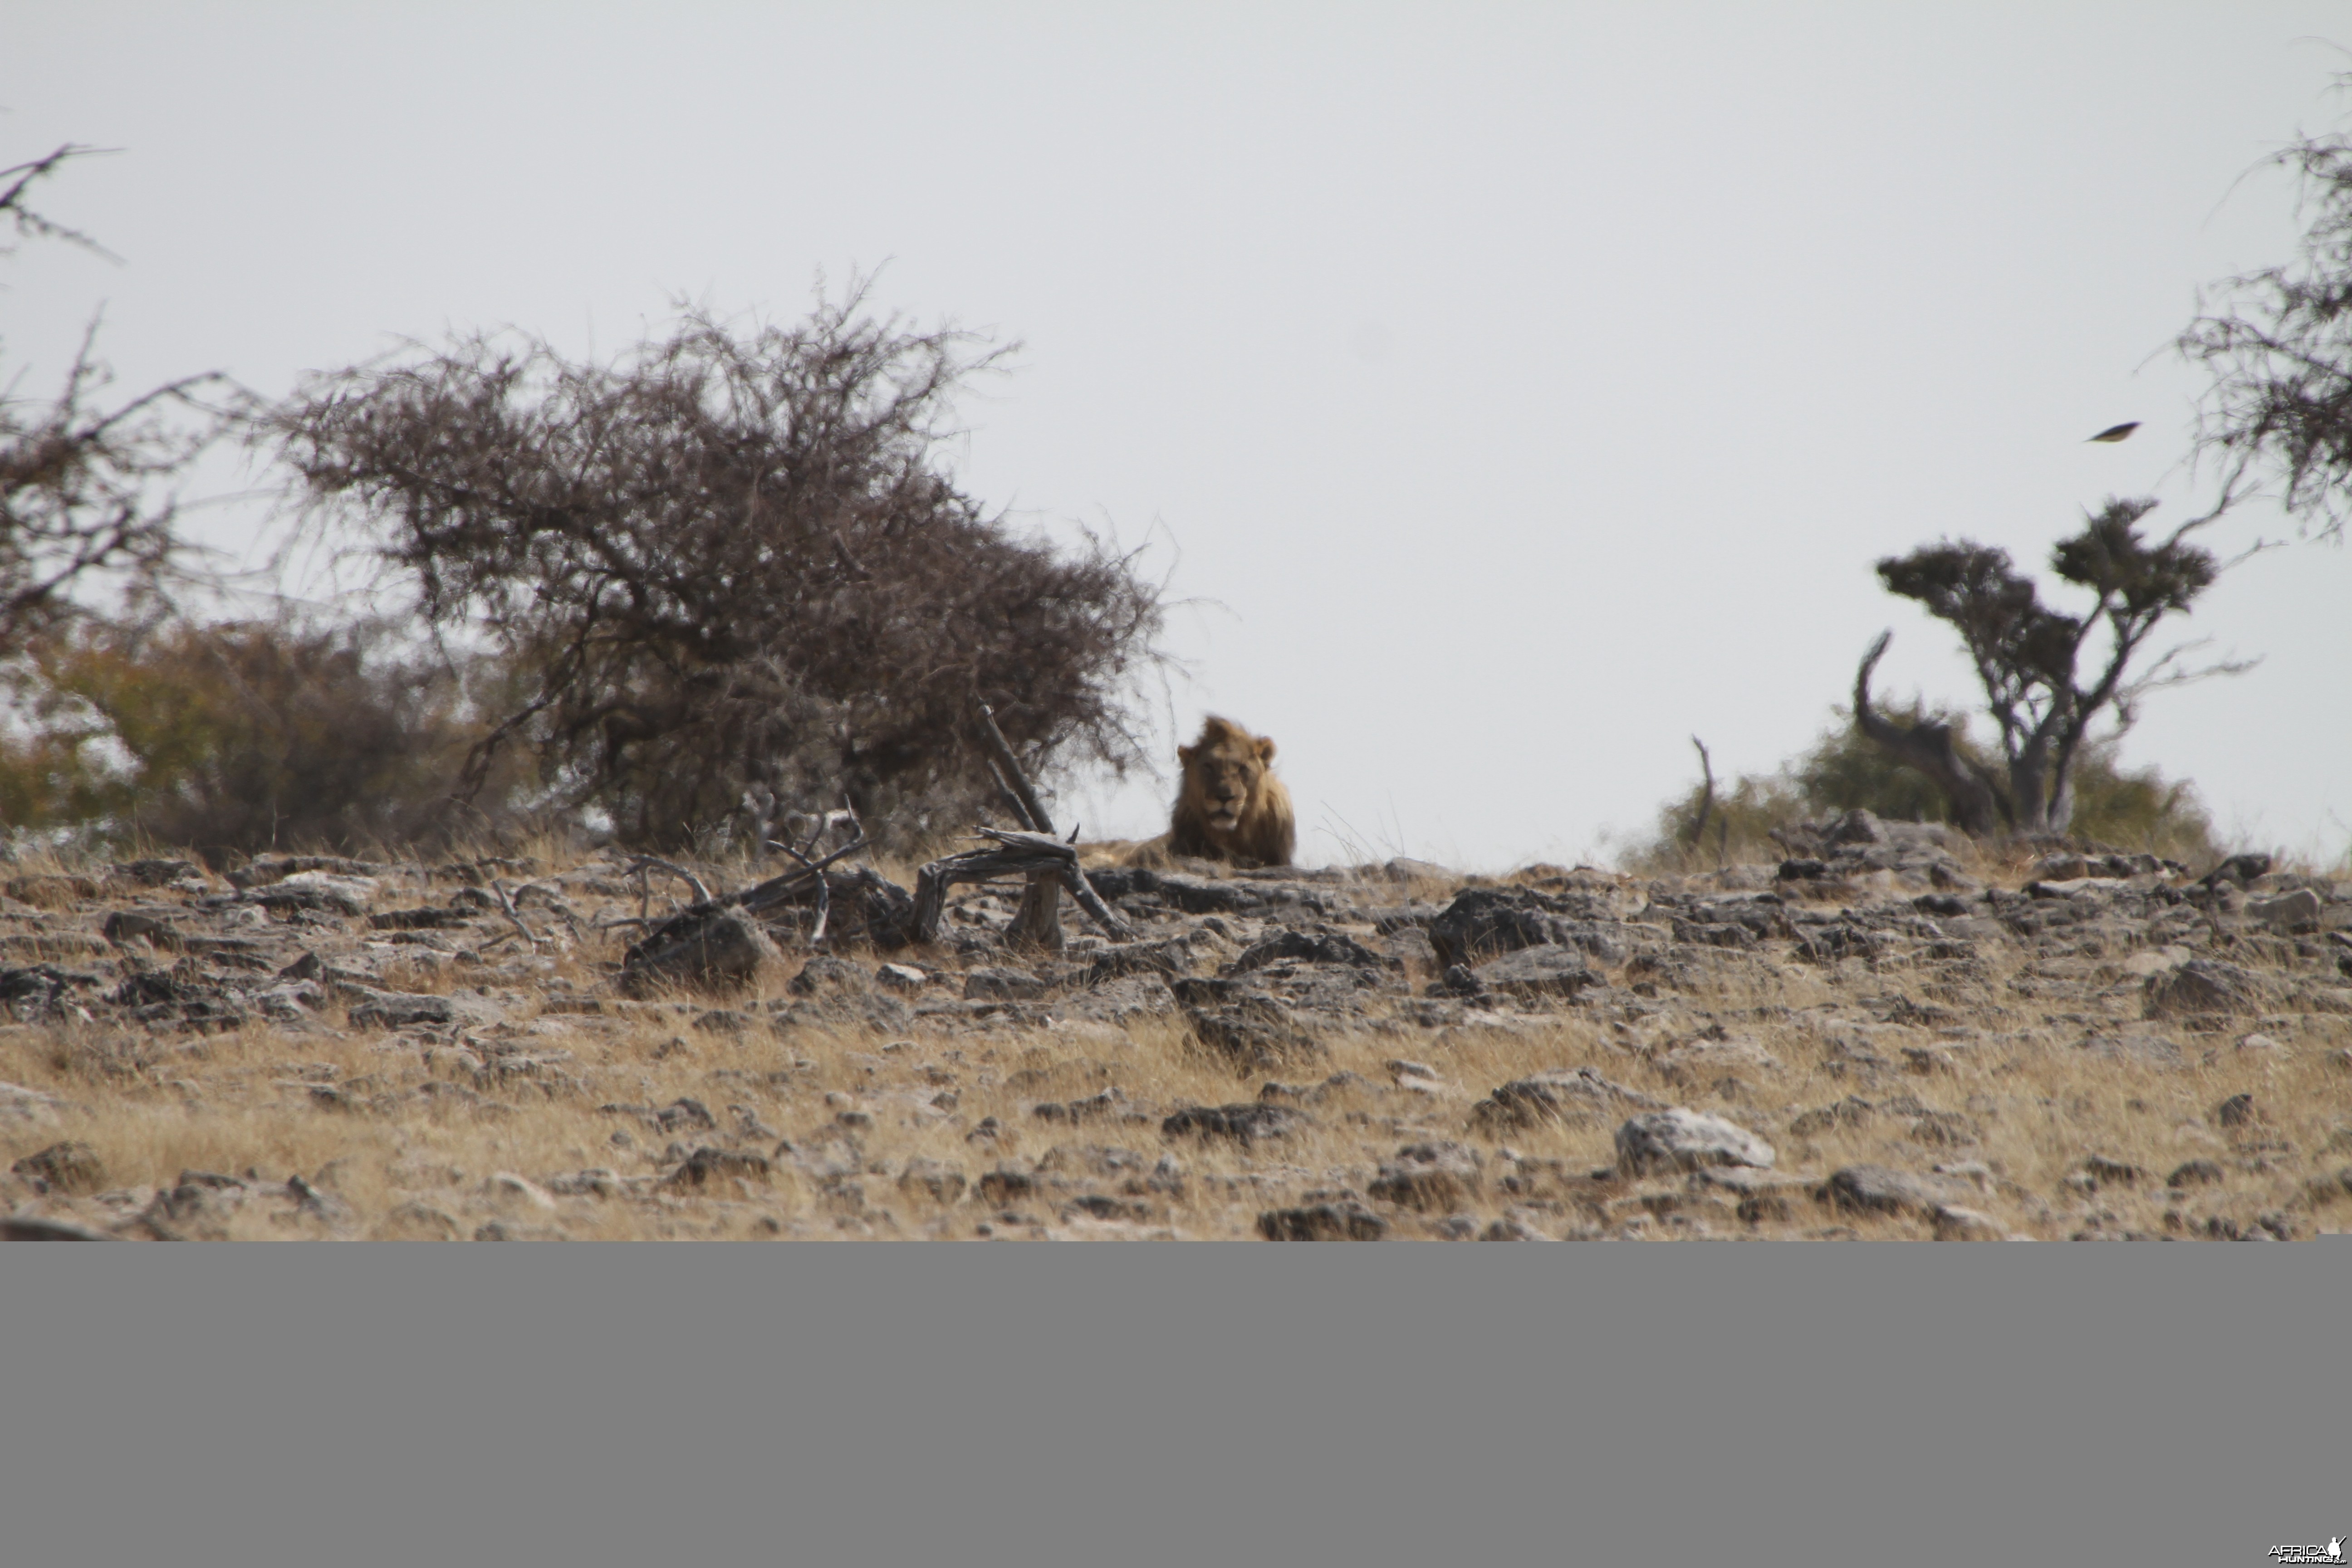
(1916, 1042)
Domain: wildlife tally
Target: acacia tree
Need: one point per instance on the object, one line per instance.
(78, 479)
(727, 563)
(2280, 351)
(2047, 674)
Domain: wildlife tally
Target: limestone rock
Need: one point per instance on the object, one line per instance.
(1876, 1189)
(22, 1107)
(71, 1168)
(2204, 985)
(720, 949)
(1243, 1125)
(1678, 1138)
(1568, 1094)
(1956, 1224)
(1342, 1221)
(1438, 1177)
(1536, 972)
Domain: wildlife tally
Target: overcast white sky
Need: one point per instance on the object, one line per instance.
(1532, 386)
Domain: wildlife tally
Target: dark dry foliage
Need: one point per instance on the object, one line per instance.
(2280, 351)
(78, 505)
(732, 562)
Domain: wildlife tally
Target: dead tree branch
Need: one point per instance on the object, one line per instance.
(506, 904)
(1932, 748)
(1707, 799)
(1014, 855)
(656, 863)
(1016, 783)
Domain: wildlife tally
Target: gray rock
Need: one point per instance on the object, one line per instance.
(1571, 1094)
(1438, 1177)
(312, 1201)
(940, 1183)
(1681, 1139)
(1307, 948)
(1343, 1221)
(2105, 1170)
(292, 1003)
(1512, 1227)
(1956, 1224)
(34, 1227)
(2289, 912)
(1250, 1029)
(1003, 984)
(707, 1164)
(2195, 1173)
(825, 973)
(1245, 1124)
(1702, 1062)
(1757, 1195)
(2204, 985)
(719, 949)
(322, 892)
(595, 1182)
(1093, 1107)
(505, 1187)
(1482, 923)
(159, 873)
(22, 1107)
(400, 1009)
(1534, 972)
(881, 1013)
(1875, 1189)
(72, 1168)
(1945, 1129)
(1851, 1112)
(1173, 957)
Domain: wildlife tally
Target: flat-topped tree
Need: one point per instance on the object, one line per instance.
(2047, 674)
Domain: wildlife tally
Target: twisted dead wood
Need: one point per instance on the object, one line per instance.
(1014, 855)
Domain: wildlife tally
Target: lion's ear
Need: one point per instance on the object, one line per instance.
(1264, 749)
(1184, 754)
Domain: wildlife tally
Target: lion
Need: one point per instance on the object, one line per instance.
(1229, 807)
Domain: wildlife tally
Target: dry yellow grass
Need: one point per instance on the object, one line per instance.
(2050, 1116)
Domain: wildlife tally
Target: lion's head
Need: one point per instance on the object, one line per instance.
(1229, 806)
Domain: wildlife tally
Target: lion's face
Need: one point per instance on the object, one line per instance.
(1224, 775)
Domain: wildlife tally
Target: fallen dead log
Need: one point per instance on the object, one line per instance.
(1020, 855)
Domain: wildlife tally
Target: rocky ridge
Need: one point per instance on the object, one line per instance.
(1877, 1036)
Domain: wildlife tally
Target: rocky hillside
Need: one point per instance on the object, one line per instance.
(1882, 1035)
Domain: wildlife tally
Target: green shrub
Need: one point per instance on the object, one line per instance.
(2130, 810)
(233, 738)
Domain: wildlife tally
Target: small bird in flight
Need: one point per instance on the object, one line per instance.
(2117, 432)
